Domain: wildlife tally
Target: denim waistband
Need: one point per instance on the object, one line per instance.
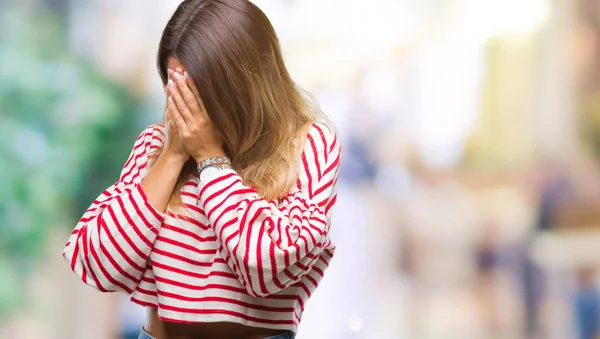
(144, 335)
(284, 335)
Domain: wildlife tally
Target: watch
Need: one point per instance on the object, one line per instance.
(212, 167)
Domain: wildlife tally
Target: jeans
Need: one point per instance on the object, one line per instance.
(284, 335)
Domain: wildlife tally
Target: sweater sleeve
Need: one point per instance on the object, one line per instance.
(271, 245)
(110, 245)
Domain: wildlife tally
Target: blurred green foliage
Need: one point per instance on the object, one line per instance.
(65, 131)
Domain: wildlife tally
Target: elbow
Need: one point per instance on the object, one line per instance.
(76, 260)
(87, 264)
(258, 281)
(77, 266)
(72, 253)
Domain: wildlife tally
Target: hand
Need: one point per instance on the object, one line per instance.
(173, 146)
(200, 137)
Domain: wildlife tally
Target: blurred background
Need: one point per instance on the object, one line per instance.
(469, 199)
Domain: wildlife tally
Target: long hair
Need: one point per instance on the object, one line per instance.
(232, 53)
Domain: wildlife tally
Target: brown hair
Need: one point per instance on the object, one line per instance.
(232, 53)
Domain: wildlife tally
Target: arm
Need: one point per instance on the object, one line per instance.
(271, 247)
(110, 244)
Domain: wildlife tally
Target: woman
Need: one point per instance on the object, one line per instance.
(219, 222)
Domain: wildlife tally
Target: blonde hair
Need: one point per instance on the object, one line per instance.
(232, 53)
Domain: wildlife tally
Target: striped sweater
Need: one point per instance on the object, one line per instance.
(228, 256)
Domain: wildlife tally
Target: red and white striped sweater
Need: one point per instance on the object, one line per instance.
(230, 256)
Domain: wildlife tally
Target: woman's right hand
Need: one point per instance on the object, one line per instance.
(173, 147)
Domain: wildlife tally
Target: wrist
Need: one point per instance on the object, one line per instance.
(174, 159)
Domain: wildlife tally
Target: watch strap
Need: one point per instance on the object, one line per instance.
(214, 161)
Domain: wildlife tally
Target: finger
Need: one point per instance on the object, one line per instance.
(166, 105)
(179, 71)
(186, 93)
(169, 75)
(179, 102)
(175, 114)
(196, 92)
(193, 87)
(166, 112)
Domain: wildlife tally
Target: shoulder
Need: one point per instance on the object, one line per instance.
(156, 130)
(323, 138)
(146, 144)
(321, 157)
(319, 167)
(152, 137)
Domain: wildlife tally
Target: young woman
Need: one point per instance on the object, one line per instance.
(219, 221)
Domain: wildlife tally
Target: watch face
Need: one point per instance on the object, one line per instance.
(209, 172)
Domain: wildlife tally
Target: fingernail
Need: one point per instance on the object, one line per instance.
(186, 75)
(171, 83)
(170, 99)
(177, 76)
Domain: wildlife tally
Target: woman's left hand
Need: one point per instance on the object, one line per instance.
(200, 137)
